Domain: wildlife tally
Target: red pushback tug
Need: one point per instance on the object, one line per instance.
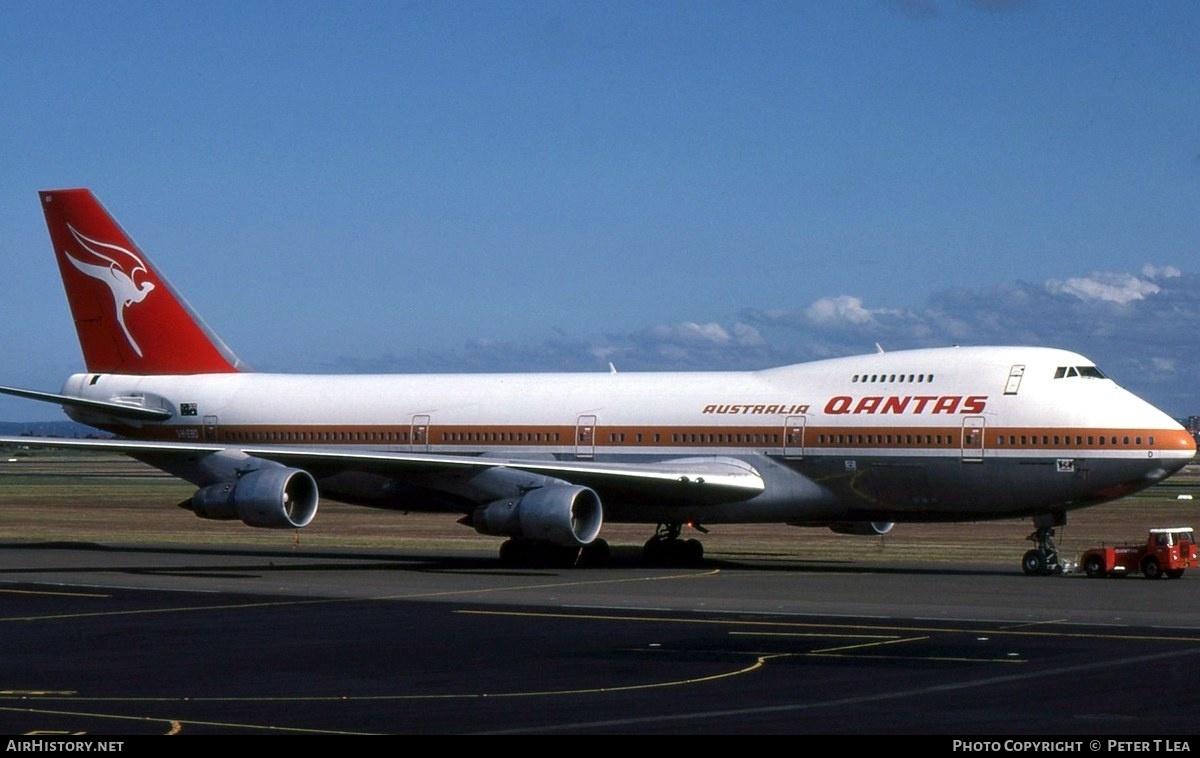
(1166, 552)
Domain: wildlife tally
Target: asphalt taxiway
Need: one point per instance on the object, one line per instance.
(111, 639)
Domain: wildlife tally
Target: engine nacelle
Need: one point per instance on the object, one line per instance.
(862, 528)
(272, 497)
(562, 514)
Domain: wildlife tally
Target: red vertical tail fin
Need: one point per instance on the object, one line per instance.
(128, 317)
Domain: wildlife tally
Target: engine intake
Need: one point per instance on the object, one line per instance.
(562, 514)
(272, 497)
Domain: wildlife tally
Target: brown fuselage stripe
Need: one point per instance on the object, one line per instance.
(810, 437)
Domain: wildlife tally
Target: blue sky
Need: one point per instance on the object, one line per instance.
(444, 186)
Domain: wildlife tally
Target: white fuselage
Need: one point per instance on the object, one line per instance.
(922, 434)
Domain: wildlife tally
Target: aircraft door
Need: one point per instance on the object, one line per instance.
(419, 434)
(972, 438)
(1015, 374)
(793, 437)
(585, 437)
(210, 428)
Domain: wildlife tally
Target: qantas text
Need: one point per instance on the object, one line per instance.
(842, 404)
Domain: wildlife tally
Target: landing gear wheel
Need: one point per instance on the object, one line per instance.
(666, 549)
(1043, 559)
(668, 552)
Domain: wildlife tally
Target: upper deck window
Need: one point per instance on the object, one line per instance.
(890, 378)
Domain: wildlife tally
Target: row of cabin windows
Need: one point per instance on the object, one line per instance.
(912, 378)
(734, 439)
(500, 436)
(393, 437)
(403, 437)
(886, 439)
(1092, 440)
(235, 436)
(1001, 440)
(701, 439)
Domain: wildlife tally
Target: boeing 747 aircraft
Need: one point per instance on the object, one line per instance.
(851, 444)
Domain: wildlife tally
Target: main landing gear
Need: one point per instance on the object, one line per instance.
(1043, 560)
(666, 549)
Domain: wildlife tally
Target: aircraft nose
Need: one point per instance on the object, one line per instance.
(1178, 450)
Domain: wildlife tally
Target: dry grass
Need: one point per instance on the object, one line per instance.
(109, 499)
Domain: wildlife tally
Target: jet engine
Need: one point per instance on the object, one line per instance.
(862, 528)
(562, 514)
(273, 497)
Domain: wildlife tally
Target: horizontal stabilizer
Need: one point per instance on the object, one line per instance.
(119, 410)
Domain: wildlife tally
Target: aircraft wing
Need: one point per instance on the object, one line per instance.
(699, 479)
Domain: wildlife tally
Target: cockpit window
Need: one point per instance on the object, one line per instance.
(1088, 371)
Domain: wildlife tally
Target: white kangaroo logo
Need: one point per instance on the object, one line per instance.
(125, 290)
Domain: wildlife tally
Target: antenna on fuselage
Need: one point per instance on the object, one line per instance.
(878, 348)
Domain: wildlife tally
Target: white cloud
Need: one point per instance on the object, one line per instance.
(747, 336)
(844, 308)
(1111, 288)
(1160, 272)
(1163, 365)
(691, 333)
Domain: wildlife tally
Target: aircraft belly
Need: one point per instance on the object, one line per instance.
(814, 489)
(942, 489)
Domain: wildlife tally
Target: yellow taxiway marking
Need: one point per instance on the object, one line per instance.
(175, 726)
(843, 630)
(853, 650)
(53, 593)
(760, 660)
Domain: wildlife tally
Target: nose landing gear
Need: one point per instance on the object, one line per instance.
(1043, 560)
